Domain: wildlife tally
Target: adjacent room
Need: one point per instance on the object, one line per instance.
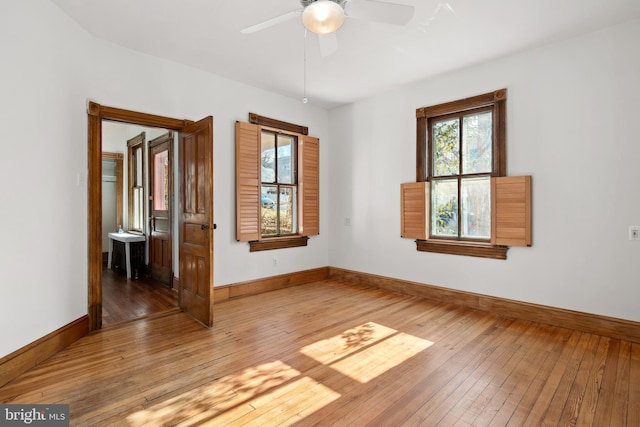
(321, 212)
(137, 201)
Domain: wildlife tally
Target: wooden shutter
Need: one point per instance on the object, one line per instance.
(414, 210)
(247, 182)
(511, 210)
(309, 185)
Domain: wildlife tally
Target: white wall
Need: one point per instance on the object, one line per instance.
(50, 69)
(43, 250)
(572, 113)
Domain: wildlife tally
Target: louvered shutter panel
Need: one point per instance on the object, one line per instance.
(414, 210)
(309, 186)
(511, 210)
(247, 182)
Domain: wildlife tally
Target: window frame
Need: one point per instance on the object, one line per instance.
(425, 116)
(133, 145)
(248, 184)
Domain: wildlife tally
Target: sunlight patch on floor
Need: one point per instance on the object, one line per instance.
(287, 405)
(244, 396)
(216, 396)
(366, 351)
(277, 393)
(335, 348)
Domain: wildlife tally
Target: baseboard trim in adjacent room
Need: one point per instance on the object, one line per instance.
(580, 321)
(23, 359)
(252, 287)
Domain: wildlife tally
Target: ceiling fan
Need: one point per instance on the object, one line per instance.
(324, 17)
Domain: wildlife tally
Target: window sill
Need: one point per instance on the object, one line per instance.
(277, 243)
(462, 248)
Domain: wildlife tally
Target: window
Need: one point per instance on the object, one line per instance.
(462, 202)
(135, 149)
(460, 169)
(277, 184)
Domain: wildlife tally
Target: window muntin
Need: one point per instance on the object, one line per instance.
(278, 193)
(461, 149)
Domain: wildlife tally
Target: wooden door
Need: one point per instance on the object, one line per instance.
(196, 220)
(160, 196)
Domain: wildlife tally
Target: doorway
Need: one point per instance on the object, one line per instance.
(195, 289)
(128, 152)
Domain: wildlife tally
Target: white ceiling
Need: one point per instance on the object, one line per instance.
(371, 57)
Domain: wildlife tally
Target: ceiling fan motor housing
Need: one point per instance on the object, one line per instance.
(306, 3)
(323, 16)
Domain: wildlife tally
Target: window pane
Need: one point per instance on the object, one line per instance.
(288, 210)
(161, 181)
(476, 143)
(268, 202)
(138, 209)
(267, 157)
(138, 155)
(476, 207)
(444, 207)
(446, 156)
(285, 159)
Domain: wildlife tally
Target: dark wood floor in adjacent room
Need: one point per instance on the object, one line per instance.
(331, 353)
(127, 299)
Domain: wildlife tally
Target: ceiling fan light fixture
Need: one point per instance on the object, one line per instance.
(323, 16)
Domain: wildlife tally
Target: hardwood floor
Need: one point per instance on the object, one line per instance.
(127, 299)
(331, 353)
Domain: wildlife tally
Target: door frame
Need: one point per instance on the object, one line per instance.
(96, 113)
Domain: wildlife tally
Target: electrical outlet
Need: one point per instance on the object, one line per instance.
(634, 232)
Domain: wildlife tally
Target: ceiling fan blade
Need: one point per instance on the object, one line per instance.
(271, 22)
(328, 44)
(379, 11)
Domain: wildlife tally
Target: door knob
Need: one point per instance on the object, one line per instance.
(204, 227)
